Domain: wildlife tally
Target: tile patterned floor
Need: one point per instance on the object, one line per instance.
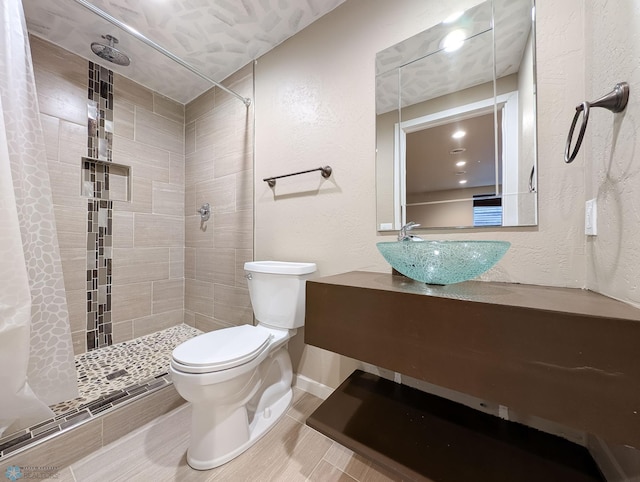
(291, 451)
(107, 378)
(121, 366)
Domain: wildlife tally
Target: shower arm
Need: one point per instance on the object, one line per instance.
(158, 48)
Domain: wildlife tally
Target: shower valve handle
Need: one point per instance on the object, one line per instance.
(205, 212)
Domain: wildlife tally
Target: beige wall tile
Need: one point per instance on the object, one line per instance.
(145, 160)
(130, 301)
(73, 142)
(190, 207)
(200, 106)
(220, 193)
(206, 130)
(71, 224)
(60, 98)
(123, 119)
(129, 91)
(205, 264)
(56, 60)
(158, 131)
(190, 138)
(168, 295)
(156, 322)
(121, 422)
(168, 199)
(199, 165)
(198, 297)
(153, 230)
(74, 268)
(207, 323)
(232, 305)
(198, 234)
(141, 197)
(189, 318)
(234, 230)
(242, 256)
(50, 127)
(216, 265)
(176, 169)
(79, 341)
(244, 190)
(122, 331)
(239, 160)
(176, 258)
(137, 265)
(122, 228)
(168, 108)
(77, 306)
(65, 186)
(190, 263)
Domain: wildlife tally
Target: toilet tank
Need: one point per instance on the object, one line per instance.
(277, 291)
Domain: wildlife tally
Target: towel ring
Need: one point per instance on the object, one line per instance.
(615, 101)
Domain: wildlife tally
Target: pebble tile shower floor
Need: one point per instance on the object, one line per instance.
(106, 378)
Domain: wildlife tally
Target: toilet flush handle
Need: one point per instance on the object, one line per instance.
(248, 276)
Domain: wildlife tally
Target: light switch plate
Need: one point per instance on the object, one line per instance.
(591, 218)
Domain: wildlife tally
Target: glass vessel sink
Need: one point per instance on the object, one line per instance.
(442, 262)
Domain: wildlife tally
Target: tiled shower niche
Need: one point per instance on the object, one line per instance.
(105, 180)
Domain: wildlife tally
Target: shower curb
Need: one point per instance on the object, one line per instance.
(91, 428)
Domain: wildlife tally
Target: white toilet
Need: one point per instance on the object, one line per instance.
(238, 379)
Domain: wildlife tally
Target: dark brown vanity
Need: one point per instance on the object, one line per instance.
(569, 356)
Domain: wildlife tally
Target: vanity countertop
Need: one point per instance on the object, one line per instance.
(567, 355)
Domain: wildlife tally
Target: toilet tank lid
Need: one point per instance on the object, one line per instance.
(279, 267)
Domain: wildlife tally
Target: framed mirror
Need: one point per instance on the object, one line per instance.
(456, 124)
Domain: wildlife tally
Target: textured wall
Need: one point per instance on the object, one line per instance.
(611, 158)
(148, 232)
(219, 171)
(316, 109)
(612, 166)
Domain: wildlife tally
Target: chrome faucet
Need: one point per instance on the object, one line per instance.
(404, 235)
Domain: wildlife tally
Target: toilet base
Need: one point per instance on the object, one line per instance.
(260, 425)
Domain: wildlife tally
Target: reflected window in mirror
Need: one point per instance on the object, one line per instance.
(426, 91)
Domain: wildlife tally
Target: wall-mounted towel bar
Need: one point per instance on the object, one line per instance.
(615, 101)
(325, 172)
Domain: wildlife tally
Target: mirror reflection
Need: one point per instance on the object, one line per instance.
(456, 122)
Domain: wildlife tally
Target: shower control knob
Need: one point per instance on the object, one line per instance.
(205, 212)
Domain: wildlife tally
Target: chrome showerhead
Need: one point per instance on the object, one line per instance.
(109, 52)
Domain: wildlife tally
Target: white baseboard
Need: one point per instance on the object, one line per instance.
(312, 387)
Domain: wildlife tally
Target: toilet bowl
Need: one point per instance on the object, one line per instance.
(238, 379)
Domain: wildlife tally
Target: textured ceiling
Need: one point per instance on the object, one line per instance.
(426, 71)
(217, 37)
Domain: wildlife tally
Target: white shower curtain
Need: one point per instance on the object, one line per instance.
(36, 355)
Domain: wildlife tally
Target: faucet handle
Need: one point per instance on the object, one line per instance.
(402, 235)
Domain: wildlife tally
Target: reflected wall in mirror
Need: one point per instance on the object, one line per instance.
(455, 122)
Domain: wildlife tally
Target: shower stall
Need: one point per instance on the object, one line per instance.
(107, 264)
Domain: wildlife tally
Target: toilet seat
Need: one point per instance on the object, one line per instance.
(221, 349)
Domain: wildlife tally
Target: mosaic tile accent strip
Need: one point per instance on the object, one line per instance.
(99, 263)
(100, 209)
(145, 361)
(100, 112)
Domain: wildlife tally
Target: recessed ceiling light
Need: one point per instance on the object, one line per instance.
(461, 163)
(462, 181)
(453, 41)
(459, 134)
